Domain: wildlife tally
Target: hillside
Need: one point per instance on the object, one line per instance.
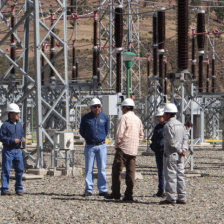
(84, 37)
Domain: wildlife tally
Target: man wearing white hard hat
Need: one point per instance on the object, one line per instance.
(11, 136)
(94, 128)
(175, 146)
(157, 147)
(129, 133)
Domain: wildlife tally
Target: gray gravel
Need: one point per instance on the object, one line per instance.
(59, 200)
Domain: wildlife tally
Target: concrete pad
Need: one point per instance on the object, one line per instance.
(72, 172)
(55, 173)
(37, 171)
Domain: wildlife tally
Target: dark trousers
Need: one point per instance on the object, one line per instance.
(121, 160)
(159, 163)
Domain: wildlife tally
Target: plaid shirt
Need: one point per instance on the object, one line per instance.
(129, 133)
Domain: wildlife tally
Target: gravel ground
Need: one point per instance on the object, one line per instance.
(59, 200)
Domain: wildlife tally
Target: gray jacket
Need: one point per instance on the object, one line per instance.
(175, 137)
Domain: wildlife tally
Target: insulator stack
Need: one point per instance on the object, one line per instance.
(201, 29)
(13, 43)
(201, 43)
(148, 66)
(77, 69)
(118, 26)
(182, 30)
(213, 73)
(118, 70)
(52, 50)
(207, 76)
(74, 78)
(42, 65)
(95, 47)
(193, 62)
(155, 45)
(165, 77)
(161, 45)
(72, 8)
(118, 42)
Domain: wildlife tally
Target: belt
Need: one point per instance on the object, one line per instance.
(95, 143)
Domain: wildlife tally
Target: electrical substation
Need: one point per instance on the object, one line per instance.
(42, 70)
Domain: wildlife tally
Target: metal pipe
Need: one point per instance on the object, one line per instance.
(213, 73)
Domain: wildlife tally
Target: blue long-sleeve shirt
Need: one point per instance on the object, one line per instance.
(9, 132)
(94, 129)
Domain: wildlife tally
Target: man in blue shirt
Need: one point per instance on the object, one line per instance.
(12, 135)
(94, 128)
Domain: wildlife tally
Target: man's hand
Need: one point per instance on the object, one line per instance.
(17, 140)
(183, 153)
(23, 139)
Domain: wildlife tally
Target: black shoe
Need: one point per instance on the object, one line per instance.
(160, 194)
(128, 199)
(181, 202)
(6, 193)
(166, 202)
(86, 194)
(112, 196)
(104, 194)
(19, 193)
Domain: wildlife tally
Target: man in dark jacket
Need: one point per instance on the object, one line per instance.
(12, 135)
(94, 128)
(157, 147)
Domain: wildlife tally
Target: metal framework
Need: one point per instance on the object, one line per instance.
(131, 43)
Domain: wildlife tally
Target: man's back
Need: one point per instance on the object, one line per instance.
(129, 133)
(174, 136)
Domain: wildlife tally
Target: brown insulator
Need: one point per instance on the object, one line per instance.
(118, 71)
(95, 29)
(42, 65)
(182, 31)
(200, 73)
(193, 62)
(161, 28)
(118, 23)
(207, 74)
(148, 66)
(155, 45)
(165, 76)
(13, 43)
(213, 74)
(72, 8)
(98, 65)
(77, 69)
(52, 49)
(73, 63)
(201, 29)
(201, 43)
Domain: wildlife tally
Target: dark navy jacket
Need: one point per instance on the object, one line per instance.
(157, 144)
(94, 129)
(8, 132)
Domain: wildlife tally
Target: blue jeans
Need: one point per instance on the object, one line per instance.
(100, 153)
(9, 157)
(159, 163)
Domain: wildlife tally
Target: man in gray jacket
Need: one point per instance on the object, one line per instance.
(175, 146)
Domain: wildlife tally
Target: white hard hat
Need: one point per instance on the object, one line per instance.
(95, 101)
(12, 107)
(128, 102)
(170, 108)
(160, 112)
